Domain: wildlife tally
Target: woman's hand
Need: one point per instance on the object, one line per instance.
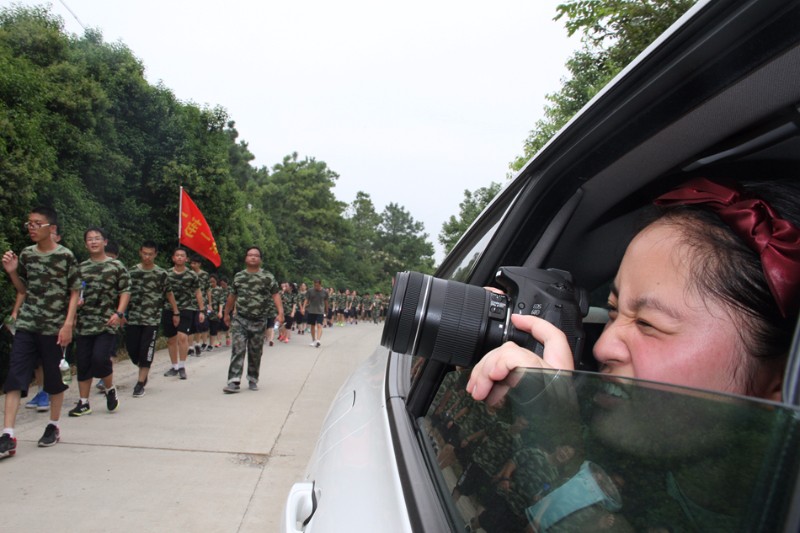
(500, 362)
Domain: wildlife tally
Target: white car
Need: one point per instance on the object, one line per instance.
(404, 448)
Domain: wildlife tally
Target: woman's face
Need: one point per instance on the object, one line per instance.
(660, 328)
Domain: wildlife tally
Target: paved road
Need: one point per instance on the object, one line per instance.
(185, 457)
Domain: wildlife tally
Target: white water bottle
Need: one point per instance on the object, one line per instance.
(66, 373)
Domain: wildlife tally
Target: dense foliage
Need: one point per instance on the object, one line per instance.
(83, 131)
(613, 33)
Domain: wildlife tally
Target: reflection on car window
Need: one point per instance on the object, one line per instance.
(468, 259)
(558, 451)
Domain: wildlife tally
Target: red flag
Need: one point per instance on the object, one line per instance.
(195, 232)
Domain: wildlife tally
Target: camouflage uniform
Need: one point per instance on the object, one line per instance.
(103, 282)
(48, 278)
(253, 292)
(184, 287)
(149, 289)
(533, 475)
(203, 280)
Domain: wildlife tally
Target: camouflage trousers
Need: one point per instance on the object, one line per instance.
(247, 336)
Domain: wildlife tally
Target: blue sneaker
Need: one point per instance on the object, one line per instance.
(40, 402)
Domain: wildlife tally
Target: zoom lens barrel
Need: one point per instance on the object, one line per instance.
(447, 321)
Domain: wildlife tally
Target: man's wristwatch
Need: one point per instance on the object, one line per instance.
(176, 314)
(120, 314)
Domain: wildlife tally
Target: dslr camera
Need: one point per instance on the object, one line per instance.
(457, 323)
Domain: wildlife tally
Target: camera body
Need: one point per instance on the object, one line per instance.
(457, 323)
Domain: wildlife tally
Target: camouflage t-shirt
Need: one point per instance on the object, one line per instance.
(287, 299)
(184, 287)
(205, 282)
(301, 300)
(534, 474)
(253, 291)
(149, 290)
(48, 278)
(218, 298)
(102, 283)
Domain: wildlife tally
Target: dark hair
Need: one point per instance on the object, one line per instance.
(260, 253)
(214, 277)
(180, 249)
(724, 267)
(101, 231)
(47, 212)
(149, 244)
(195, 259)
(112, 248)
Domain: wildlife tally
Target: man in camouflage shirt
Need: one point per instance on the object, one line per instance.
(105, 287)
(201, 327)
(251, 292)
(189, 297)
(150, 290)
(46, 274)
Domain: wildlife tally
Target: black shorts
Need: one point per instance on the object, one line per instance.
(288, 321)
(184, 326)
(299, 317)
(93, 355)
(197, 326)
(141, 344)
(27, 352)
(214, 326)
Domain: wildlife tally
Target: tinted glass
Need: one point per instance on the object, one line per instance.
(560, 451)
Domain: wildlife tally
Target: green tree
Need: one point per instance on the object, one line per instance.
(402, 242)
(613, 33)
(469, 209)
(298, 197)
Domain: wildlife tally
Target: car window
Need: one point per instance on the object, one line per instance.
(570, 451)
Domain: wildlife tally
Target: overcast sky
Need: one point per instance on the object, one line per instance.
(410, 102)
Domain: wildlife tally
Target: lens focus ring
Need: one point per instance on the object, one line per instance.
(462, 325)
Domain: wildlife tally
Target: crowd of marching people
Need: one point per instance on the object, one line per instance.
(70, 316)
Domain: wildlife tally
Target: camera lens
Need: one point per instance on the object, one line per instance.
(447, 321)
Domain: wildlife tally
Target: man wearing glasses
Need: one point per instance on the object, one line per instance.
(46, 273)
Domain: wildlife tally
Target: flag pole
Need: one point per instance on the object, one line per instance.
(180, 210)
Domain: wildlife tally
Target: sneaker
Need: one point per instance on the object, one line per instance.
(8, 445)
(218, 345)
(138, 390)
(313, 343)
(80, 409)
(44, 402)
(171, 372)
(271, 343)
(50, 437)
(227, 342)
(101, 386)
(231, 388)
(33, 403)
(182, 373)
(317, 344)
(252, 386)
(286, 340)
(112, 402)
(209, 348)
(191, 351)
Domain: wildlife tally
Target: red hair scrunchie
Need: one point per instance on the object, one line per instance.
(776, 240)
